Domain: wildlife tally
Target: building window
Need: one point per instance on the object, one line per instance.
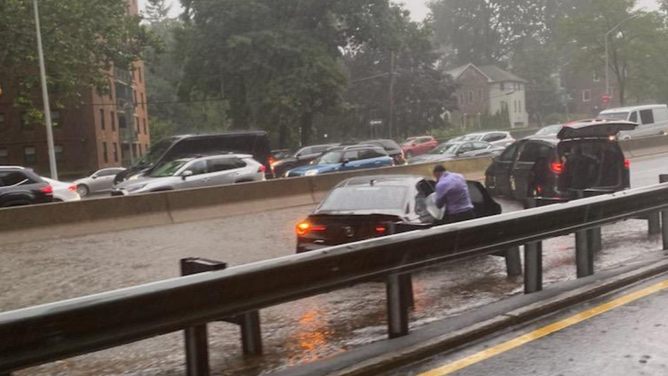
(502, 86)
(134, 95)
(115, 152)
(143, 103)
(137, 125)
(55, 119)
(145, 127)
(139, 73)
(26, 123)
(102, 120)
(105, 157)
(59, 153)
(4, 156)
(2, 122)
(134, 150)
(586, 95)
(29, 156)
(112, 116)
(597, 78)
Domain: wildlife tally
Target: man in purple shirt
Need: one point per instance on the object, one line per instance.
(452, 191)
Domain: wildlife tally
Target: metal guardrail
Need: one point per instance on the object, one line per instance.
(37, 335)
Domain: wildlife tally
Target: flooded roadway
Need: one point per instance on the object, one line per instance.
(311, 329)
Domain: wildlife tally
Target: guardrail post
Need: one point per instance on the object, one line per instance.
(251, 333)
(584, 254)
(397, 306)
(664, 217)
(594, 235)
(654, 223)
(196, 337)
(513, 262)
(533, 261)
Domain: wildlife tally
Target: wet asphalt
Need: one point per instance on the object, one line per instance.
(295, 333)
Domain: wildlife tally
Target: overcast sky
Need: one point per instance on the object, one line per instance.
(419, 8)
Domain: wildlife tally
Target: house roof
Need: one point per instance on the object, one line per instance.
(491, 72)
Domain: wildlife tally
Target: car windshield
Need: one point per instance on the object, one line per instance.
(333, 157)
(445, 149)
(154, 154)
(365, 198)
(552, 129)
(169, 168)
(615, 116)
(472, 137)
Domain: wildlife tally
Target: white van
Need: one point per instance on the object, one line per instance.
(652, 119)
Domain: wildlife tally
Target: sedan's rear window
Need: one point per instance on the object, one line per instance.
(365, 198)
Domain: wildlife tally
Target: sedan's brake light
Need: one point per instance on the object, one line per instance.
(381, 229)
(262, 169)
(72, 188)
(47, 190)
(305, 227)
(557, 167)
(627, 164)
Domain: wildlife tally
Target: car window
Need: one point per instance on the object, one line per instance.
(14, 178)
(365, 198)
(306, 151)
(198, 167)
(224, 164)
(332, 157)
(661, 114)
(371, 153)
(319, 149)
(352, 155)
(169, 168)
(647, 116)
(509, 153)
(494, 137)
(480, 145)
(476, 195)
(530, 152)
(466, 147)
(107, 173)
(634, 117)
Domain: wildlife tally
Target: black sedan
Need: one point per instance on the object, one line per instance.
(366, 207)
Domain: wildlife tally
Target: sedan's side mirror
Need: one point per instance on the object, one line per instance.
(186, 174)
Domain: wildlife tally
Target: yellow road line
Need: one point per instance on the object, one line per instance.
(545, 331)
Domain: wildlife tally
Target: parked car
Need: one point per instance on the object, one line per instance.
(415, 146)
(456, 150)
(392, 148)
(346, 158)
(195, 173)
(582, 156)
(497, 138)
(62, 191)
(21, 186)
(99, 182)
(652, 120)
(361, 208)
(550, 130)
(301, 157)
(255, 143)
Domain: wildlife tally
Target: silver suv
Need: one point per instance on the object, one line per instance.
(195, 173)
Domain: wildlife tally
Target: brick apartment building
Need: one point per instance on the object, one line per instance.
(585, 92)
(105, 131)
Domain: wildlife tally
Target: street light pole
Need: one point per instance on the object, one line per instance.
(607, 55)
(45, 98)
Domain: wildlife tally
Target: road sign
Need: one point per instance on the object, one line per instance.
(606, 99)
(375, 122)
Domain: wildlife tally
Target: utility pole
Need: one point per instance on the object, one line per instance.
(390, 120)
(45, 98)
(607, 55)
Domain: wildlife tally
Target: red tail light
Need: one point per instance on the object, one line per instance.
(262, 169)
(72, 188)
(627, 164)
(305, 227)
(47, 190)
(381, 229)
(557, 167)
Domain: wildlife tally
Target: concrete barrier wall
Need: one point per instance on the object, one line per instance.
(121, 213)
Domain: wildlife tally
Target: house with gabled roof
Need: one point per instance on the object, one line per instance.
(489, 90)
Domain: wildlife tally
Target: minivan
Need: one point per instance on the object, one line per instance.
(652, 120)
(255, 143)
(583, 156)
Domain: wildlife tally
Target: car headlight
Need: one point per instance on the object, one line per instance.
(135, 188)
(133, 177)
(311, 173)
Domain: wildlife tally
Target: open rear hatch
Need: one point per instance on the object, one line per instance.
(594, 129)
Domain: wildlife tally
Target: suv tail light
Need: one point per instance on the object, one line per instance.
(381, 229)
(557, 167)
(72, 188)
(627, 164)
(305, 227)
(47, 190)
(262, 169)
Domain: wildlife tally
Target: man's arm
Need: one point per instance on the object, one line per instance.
(441, 191)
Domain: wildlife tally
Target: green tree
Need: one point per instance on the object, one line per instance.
(633, 47)
(82, 40)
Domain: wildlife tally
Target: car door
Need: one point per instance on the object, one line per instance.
(199, 177)
(223, 170)
(102, 180)
(501, 168)
(483, 203)
(351, 161)
(521, 177)
(647, 125)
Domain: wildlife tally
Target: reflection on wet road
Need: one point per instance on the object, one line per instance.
(294, 333)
